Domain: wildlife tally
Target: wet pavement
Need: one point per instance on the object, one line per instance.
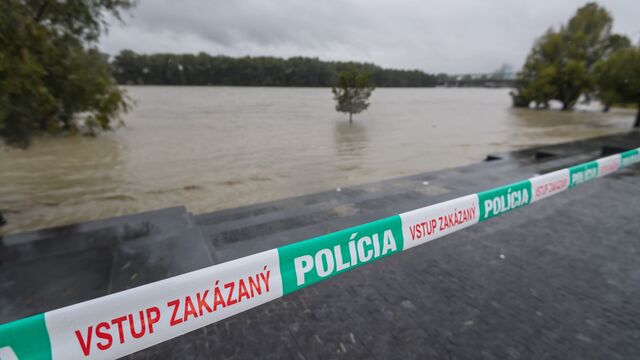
(557, 279)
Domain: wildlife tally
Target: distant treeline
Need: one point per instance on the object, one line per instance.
(130, 68)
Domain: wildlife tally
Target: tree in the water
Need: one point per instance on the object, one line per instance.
(618, 79)
(561, 63)
(352, 90)
(52, 77)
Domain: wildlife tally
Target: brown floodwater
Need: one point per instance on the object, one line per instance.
(210, 148)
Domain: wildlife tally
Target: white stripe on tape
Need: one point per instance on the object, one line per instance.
(429, 223)
(549, 184)
(6, 353)
(608, 164)
(135, 319)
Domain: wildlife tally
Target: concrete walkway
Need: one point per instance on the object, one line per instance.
(557, 279)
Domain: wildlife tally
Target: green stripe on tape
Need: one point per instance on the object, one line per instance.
(505, 198)
(27, 338)
(317, 259)
(629, 157)
(582, 173)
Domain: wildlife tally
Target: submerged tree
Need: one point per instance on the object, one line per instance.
(618, 79)
(352, 90)
(561, 63)
(51, 71)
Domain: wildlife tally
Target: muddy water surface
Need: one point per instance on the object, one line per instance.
(211, 148)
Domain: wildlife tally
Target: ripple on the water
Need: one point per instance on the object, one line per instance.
(210, 148)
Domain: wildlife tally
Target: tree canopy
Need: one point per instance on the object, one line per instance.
(204, 69)
(352, 90)
(617, 79)
(561, 63)
(52, 77)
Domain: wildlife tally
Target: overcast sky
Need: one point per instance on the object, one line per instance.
(453, 36)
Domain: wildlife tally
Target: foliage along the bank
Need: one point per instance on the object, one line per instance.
(561, 64)
(617, 79)
(130, 68)
(50, 70)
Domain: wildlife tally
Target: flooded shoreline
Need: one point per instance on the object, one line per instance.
(210, 148)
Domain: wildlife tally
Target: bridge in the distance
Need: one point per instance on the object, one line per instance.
(490, 80)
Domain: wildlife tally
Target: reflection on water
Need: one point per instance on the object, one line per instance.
(351, 141)
(214, 147)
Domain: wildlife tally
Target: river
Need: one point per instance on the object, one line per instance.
(210, 148)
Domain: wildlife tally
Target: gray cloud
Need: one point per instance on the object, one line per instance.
(436, 35)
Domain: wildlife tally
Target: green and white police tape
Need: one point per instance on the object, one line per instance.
(119, 324)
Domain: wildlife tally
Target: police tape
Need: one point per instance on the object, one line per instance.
(119, 324)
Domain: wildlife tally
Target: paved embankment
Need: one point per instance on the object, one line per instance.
(557, 279)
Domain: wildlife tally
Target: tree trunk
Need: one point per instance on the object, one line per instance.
(637, 123)
(350, 118)
(43, 123)
(41, 11)
(66, 122)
